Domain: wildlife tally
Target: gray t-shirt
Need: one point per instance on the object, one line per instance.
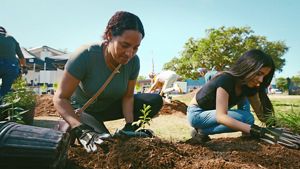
(87, 64)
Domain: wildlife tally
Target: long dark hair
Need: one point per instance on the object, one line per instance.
(122, 21)
(246, 67)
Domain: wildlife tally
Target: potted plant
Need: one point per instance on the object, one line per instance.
(19, 104)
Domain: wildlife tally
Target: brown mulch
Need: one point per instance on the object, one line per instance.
(45, 106)
(175, 107)
(155, 153)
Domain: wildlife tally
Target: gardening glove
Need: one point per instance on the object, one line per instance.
(88, 137)
(129, 130)
(276, 135)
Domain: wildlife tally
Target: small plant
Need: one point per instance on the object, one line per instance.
(26, 95)
(44, 88)
(14, 113)
(144, 119)
(55, 86)
(289, 120)
(18, 102)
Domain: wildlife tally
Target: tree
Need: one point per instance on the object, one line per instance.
(138, 85)
(141, 78)
(296, 80)
(281, 83)
(221, 48)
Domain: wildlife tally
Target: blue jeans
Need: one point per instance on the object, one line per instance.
(9, 71)
(207, 122)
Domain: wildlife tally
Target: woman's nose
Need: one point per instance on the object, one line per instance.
(261, 79)
(129, 52)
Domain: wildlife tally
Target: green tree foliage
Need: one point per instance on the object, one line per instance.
(141, 78)
(221, 48)
(281, 83)
(138, 85)
(296, 80)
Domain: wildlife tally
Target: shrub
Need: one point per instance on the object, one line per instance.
(19, 101)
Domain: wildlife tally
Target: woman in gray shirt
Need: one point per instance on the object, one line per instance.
(87, 70)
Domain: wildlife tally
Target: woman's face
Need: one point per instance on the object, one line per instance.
(259, 77)
(124, 47)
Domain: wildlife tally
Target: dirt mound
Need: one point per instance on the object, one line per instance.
(156, 153)
(174, 107)
(45, 106)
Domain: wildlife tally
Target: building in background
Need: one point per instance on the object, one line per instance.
(45, 65)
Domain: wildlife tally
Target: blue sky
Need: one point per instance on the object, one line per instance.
(68, 24)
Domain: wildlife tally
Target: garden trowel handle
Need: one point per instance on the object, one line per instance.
(78, 111)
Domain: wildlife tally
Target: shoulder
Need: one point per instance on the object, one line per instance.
(224, 78)
(86, 49)
(134, 61)
(9, 37)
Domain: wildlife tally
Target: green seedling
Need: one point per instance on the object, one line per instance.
(44, 88)
(144, 119)
(55, 86)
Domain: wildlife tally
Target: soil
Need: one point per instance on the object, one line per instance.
(155, 153)
(175, 107)
(45, 106)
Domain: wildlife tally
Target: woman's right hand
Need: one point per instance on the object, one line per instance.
(88, 138)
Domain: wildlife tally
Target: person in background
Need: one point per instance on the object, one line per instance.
(87, 70)
(210, 74)
(210, 111)
(164, 83)
(9, 64)
(202, 72)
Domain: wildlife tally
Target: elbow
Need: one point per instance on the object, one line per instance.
(56, 101)
(221, 118)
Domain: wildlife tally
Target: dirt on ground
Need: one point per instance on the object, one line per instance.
(45, 106)
(176, 107)
(155, 153)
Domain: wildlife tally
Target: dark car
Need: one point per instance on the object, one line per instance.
(294, 90)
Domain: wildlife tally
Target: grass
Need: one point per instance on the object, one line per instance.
(176, 128)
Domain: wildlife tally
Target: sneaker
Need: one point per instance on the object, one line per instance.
(198, 137)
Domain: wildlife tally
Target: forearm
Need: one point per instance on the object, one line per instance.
(127, 107)
(152, 88)
(233, 124)
(22, 62)
(67, 112)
